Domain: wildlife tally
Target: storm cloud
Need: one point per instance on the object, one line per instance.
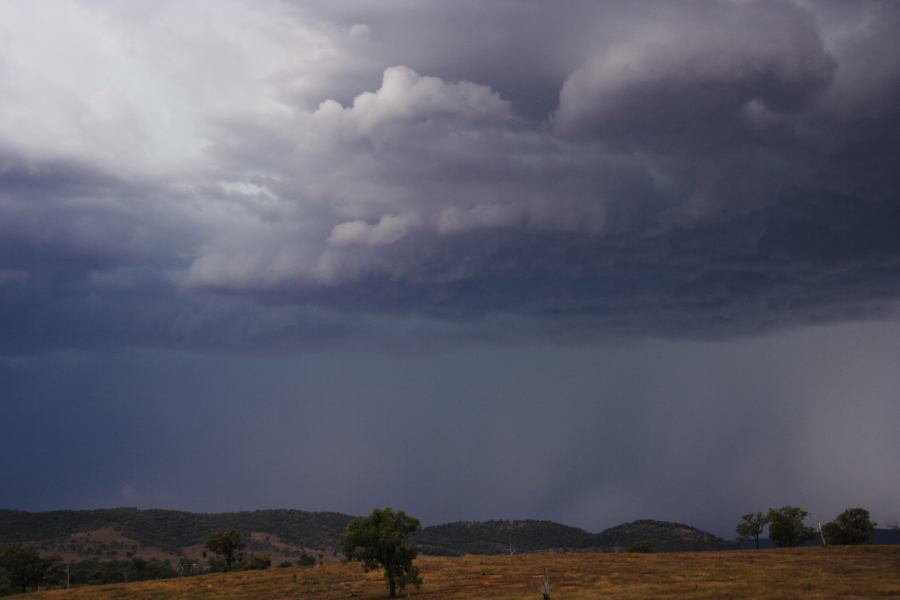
(270, 178)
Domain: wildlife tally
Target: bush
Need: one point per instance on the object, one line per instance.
(257, 563)
(643, 547)
(306, 560)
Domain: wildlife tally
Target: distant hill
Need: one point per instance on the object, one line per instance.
(500, 537)
(497, 537)
(121, 532)
(666, 537)
(173, 530)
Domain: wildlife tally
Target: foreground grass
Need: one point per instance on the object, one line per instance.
(849, 572)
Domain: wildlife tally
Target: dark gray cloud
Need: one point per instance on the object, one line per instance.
(708, 168)
(412, 178)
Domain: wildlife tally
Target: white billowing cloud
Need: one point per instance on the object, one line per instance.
(131, 88)
(715, 63)
(359, 31)
(388, 229)
(406, 96)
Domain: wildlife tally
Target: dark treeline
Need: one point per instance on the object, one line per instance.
(22, 569)
(172, 529)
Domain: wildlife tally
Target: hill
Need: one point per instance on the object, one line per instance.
(501, 537)
(119, 533)
(168, 530)
(666, 537)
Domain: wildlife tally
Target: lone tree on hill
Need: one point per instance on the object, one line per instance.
(751, 527)
(853, 526)
(226, 543)
(786, 526)
(379, 541)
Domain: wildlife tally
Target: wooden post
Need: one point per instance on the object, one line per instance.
(545, 589)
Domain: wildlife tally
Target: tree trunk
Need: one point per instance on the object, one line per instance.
(392, 586)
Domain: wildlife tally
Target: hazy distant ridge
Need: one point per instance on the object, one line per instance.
(173, 530)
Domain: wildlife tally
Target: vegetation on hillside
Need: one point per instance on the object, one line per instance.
(500, 537)
(171, 529)
(176, 530)
(666, 537)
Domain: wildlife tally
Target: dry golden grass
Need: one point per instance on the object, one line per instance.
(849, 572)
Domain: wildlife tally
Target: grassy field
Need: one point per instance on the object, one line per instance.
(848, 572)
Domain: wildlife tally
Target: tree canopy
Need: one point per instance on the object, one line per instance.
(751, 527)
(226, 543)
(786, 527)
(24, 567)
(853, 526)
(379, 541)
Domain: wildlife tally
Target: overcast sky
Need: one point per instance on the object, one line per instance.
(582, 261)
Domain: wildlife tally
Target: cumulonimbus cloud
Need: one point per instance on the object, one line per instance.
(687, 167)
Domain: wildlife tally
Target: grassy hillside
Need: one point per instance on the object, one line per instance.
(813, 573)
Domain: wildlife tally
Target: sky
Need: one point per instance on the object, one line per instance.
(583, 261)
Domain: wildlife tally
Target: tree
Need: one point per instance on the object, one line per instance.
(751, 527)
(226, 543)
(853, 526)
(379, 541)
(786, 526)
(25, 568)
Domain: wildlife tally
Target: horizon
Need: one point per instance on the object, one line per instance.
(588, 263)
(728, 538)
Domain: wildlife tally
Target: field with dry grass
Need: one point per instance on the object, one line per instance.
(848, 572)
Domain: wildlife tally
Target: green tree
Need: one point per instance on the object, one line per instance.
(786, 526)
(853, 526)
(751, 527)
(226, 543)
(25, 567)
(379, 541)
